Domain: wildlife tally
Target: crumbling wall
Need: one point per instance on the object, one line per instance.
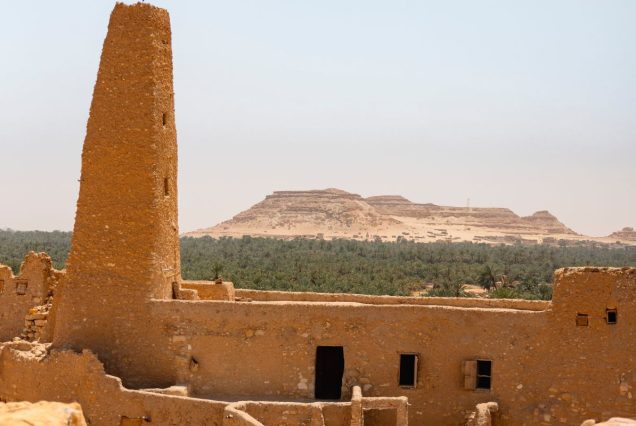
(258, 413)
(67, 376)
(545, 368)
(483, 414)
(32, 288)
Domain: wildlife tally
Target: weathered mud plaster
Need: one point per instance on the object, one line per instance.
(205, 351)
(545, 367)
(30, 290)
(125, 247)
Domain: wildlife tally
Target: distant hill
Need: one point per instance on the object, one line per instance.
(625, 234)
(334, 213)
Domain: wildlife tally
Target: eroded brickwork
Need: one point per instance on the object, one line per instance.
(22, 295)
(558, 362)
(125, 247)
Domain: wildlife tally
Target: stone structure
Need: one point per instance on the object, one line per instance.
(134, 345)
(25, 299)
(125, 248)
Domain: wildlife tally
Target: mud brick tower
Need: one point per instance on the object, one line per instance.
(125, 248)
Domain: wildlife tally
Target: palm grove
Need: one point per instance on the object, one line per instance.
(367, 267)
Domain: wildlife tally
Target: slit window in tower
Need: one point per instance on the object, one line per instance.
(166, 187)
(164, 118)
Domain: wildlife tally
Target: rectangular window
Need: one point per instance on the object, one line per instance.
(611, 316)
(582, 320)
(1, 286)
(484, 374)
(21, 287)
(408, 370)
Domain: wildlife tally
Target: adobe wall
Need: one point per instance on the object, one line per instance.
(37, 277)
(79, 377)
(267, 350)
(125, 246)
(72, 377)
(466, 302)
(210, 290)
(546, 369)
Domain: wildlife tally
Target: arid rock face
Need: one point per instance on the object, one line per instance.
(626, 233)
(301, 212)
(333, 213)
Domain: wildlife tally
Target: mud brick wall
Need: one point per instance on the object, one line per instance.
(125, 247)
(545, 368)
(19, 294)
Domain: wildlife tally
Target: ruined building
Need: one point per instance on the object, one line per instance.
(122, 334)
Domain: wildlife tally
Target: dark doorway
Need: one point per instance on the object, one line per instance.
(329, 369)
(408, 370)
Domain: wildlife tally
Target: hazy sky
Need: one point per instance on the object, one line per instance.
(529, 105)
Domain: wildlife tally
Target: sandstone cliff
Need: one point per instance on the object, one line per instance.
(334, 213)
(625, 234)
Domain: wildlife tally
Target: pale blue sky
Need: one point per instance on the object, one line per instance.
(529, 105)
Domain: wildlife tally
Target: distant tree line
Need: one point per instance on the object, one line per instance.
(14, 245)
(368, 267)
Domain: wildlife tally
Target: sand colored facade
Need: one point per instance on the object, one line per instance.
(125, 247)
(231, 354)
(25, 299)
(134, 344)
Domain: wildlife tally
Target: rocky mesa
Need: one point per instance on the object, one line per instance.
(334, 213)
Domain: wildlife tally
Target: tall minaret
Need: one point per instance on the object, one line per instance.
(125, 247)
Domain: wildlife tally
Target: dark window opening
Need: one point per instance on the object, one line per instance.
(611, 316)
(484, 374)
(164, 118)
(582, 320)
(408, 370)
(1, 286)
(329, 370)
(166, 187)
(175, 290)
